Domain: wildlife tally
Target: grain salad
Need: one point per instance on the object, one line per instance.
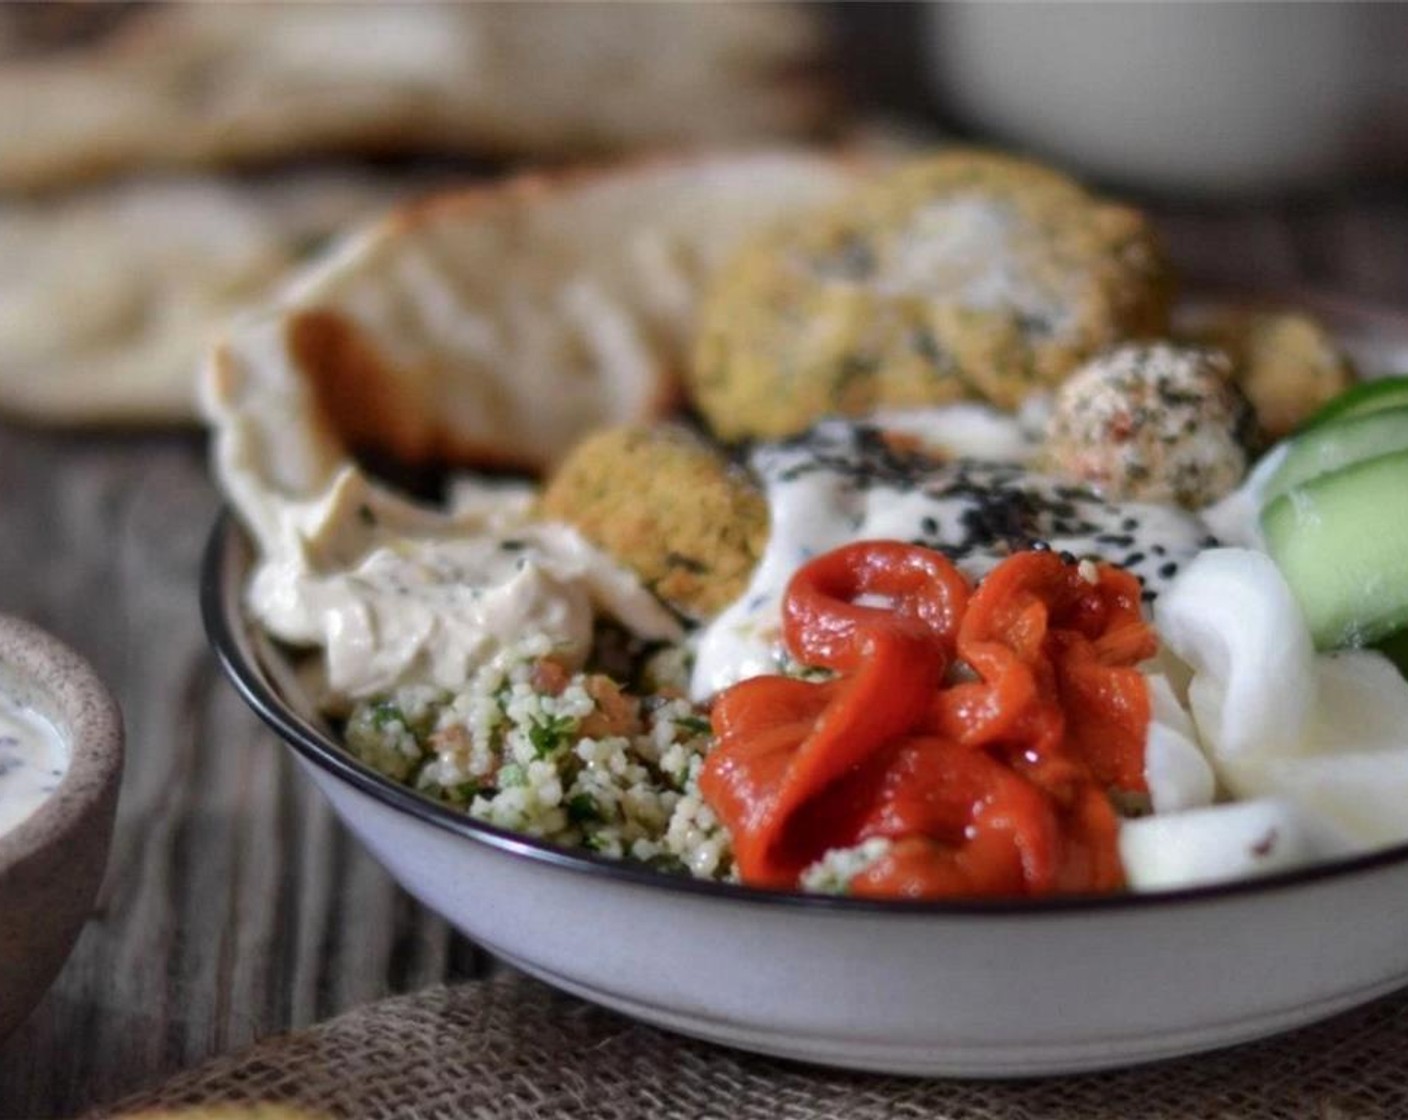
(568, 757)
(574, 759)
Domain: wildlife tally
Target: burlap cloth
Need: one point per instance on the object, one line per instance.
(511, 1049)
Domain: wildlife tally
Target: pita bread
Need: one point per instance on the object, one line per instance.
(194, 85)
(495, 325)
(109, 298)
(35, 29)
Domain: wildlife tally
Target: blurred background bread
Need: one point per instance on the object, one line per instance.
(131, 224)
(109, 294)
(182, 86)
(163, 165)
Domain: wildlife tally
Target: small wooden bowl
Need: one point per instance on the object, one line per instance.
(52, 862)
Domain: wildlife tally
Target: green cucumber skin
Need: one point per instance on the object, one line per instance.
(1342, 443)
(1341, 541)
(1360, 400)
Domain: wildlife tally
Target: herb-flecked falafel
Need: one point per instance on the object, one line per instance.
(669, 506)
(1287, 362)
(968, 275)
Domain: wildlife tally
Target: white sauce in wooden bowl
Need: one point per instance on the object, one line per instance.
(33, 760)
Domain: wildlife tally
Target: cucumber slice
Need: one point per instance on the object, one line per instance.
(1341, 542)
(1331, 447)
(1366, 397)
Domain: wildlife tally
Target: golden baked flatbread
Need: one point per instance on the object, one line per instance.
(494, 325)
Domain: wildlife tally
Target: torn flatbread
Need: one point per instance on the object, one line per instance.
(494, 326)
(110, 297)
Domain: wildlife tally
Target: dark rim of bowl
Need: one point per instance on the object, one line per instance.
(90, 721)
(222, 615)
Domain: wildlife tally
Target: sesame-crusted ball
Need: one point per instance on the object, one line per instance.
(1152, 422)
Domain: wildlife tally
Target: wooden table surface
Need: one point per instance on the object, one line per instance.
(235, 905)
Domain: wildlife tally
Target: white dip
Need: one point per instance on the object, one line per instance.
(390, 591)
(848, 481)
(33, 760)
(396, 594)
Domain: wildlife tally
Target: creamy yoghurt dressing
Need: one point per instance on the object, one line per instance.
(848, 481)
(33, 760)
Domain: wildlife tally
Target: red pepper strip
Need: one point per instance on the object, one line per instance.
(895, 659)
(822, 621)
(896, 656)
(1108, 715)
(1037, 625)
(990, 830)
(985, 787)
(759, 724)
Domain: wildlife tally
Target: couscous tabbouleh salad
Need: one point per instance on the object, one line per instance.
(571, 757)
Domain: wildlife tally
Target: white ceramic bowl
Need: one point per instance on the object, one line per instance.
(988, 990)
(1225, 98)
(52, 862)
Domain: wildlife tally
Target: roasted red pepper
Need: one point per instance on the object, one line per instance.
(993, 780)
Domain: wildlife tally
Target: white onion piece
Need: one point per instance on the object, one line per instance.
(1353, 776)
(1362, 704)
(1236, 519)
(1221, 843)
(1230, 616)
(1360, 796)
(1316, 747)
(1177, 774)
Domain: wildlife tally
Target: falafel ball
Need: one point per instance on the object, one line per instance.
(669, 506)
(1152, 423)
(1287, 362)
(967, 275)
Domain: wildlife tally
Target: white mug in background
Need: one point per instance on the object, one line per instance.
(1208, 97)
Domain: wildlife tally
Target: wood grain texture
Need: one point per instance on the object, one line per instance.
(235, 906)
